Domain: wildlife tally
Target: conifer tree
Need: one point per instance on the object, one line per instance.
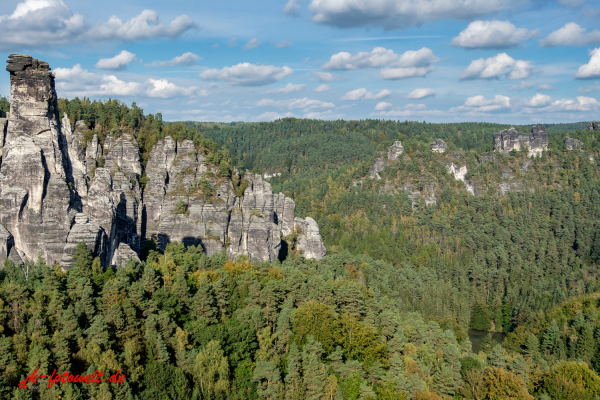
(268, 378)
(204, 303)
(314, 371)
(294, 385)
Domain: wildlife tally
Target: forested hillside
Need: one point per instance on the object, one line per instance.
(384, 316)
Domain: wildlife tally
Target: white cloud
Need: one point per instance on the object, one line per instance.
(497, 66)
(322, 88)
(39, 23)
(42, 23)
(581, 103)
(571, 34)
(396, 14)
(539, 100)
(292, 7)
(77, 81)
(382, 106)
(325, 76)
(376, 58)
(415, 107)
(188, 58)
(252, 44)
(283, 44)
(492, 35)
(329, 114)
(588, 89)
(164, 89)
(118, 62)
(522, 86)
(272, 116)
(521, 70)
(411, 64)
(143, 26)
(421, 93)
(360, 93)
(246, 74)
(408, 111)
(289, 88)
(304, 103)
(479, 104)
(590, 70)
(545, 86)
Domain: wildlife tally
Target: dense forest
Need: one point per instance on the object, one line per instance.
(384, 316)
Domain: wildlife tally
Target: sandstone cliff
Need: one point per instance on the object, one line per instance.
(55, 192)
(510, 139)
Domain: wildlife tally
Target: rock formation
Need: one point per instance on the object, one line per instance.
(55, 192)
(459, 174)
(439, 146)
(392, 154)
(510, 139)
(571, 143)
(395, 150)
(594, 126)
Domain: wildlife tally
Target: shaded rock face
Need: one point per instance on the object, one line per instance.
(571, 143)
(428, 195)
(54, 193)
(510, 139)
(439, 146)
(594, 126)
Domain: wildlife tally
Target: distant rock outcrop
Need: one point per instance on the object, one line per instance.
(439, 146)
(594, 126)
(54, 194)
(395, 150)
(571, 143)
(393, 153)
(510, 139)
(460, 174)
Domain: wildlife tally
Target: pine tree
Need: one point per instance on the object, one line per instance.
(267, 376)
(314, 370)
(443, 381)
(496, 357)
(294, 385)
(488, 343)
(585, 346)
(204, 303)
(552, 343)
(532, 348)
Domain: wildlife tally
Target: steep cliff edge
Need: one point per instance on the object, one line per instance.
(56, 190)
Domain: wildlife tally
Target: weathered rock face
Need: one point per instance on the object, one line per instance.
(510, 139)
(56, 193)
(395, 150)
(439, 146)
(393, 153)
(309, 239)
(571, 143)
(460, 174)
(377, 167)
(594, 126)
(3, 126)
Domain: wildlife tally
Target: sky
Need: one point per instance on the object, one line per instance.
(505, 61)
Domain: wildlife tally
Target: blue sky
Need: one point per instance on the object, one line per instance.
(508, 61)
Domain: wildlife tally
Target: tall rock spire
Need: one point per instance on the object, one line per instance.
(54, 194)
